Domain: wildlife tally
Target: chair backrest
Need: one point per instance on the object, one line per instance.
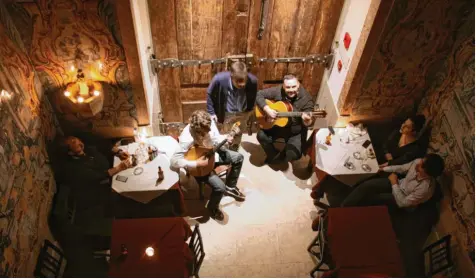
(196, 245)
(50, 261)
(438, 256)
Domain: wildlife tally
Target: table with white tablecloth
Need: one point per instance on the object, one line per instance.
(331, 159)
(141, 184)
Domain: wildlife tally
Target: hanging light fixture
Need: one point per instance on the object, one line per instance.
(85, 94)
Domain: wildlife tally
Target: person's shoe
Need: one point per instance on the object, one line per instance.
(235, 193)
(216, 214)
(315, 223)
(316, 195)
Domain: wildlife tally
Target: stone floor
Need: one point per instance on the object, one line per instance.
(267, 235)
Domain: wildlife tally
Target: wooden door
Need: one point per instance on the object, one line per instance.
(211, 29)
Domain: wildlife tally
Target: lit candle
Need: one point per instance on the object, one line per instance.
(100, 65)
(96, 93)
(72, 68)
(149, 251)
(80, 99)
(67, 93)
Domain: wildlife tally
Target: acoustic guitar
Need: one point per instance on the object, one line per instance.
(284, 111)
(196, 152)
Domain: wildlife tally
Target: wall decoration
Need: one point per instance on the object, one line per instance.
(65, 33)
(27, 124)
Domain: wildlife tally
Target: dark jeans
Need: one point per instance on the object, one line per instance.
(371, 192)
(291, 152)
(217, 184)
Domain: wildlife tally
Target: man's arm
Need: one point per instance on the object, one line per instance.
(399, 168)
(185, 142)
(211, 88)
(215, 136)
(414, 198)
(269, 94)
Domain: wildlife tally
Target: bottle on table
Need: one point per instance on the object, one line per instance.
(161, 175)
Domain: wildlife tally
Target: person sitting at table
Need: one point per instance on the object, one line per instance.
(416, 187)
(85, 167)
(202, 131)
(402, 146)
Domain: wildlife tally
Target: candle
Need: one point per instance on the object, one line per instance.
(149, 251)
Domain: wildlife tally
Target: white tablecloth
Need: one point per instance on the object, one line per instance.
(331, 158)
(142, 187)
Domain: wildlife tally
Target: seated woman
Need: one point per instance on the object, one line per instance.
(402, 146)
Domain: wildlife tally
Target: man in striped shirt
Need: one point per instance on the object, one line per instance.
(415, 188)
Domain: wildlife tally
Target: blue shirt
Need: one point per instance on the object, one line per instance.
(236, 100)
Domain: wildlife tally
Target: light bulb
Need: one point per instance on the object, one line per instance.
(100, 65)
(72, 68)
(96, 93)
(67, 93)
(80, 100)
(149, 251)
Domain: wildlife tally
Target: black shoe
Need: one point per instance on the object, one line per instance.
(216, 214)
(235, 193)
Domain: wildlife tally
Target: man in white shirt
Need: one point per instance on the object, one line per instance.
(415, 188)
(202, 131)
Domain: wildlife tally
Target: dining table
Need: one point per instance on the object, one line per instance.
(137, 190)
(343, 155)
(362, 242)
(150, 248)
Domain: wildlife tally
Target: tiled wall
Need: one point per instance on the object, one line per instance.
(27, 124)
(450, 103)
(57, 34)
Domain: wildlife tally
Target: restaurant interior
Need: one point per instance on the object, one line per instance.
(157, 138)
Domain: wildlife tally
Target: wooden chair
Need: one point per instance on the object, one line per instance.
(50, 261)
(322, 253)
(196, 246)
(438, 256)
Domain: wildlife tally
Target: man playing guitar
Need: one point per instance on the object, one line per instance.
(202, 131)
(295, 132)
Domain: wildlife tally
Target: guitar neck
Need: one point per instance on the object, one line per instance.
(290, 114)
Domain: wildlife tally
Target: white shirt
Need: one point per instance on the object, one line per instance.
(186, 141)
(411, 190)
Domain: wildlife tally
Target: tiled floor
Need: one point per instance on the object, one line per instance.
(265, 236)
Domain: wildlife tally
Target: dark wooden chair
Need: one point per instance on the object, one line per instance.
(196, 246)
(50, 261)
(318, 248)
(438, 256)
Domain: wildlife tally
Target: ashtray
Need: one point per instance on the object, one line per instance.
(349, 165)
(366, 168)
(357, 155)
(138, 171)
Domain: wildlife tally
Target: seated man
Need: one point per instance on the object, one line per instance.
(296, 130)
(203, 132)
(415, 188)
(85, 167)
(402, 146)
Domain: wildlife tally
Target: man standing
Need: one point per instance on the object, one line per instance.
(231, 92)
(202, 131)
(295, 132)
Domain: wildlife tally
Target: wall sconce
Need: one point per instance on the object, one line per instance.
(5, 96)
(86, 95)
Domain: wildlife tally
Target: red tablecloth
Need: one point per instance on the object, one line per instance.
(166, 235)
(362, 241)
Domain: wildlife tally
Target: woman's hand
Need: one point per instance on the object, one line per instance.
(388, 156)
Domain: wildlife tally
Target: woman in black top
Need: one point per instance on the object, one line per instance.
(402, 146)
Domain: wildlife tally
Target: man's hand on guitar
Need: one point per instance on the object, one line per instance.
(307, 118)
(229, 139)
(214, 118)
(272, 114)
(202, 161)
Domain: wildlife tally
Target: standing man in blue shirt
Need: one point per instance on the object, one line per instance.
(231, 92)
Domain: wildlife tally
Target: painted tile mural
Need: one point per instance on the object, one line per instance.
(417, 38)
(450, 103)
(27, 186)
(60, 34)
